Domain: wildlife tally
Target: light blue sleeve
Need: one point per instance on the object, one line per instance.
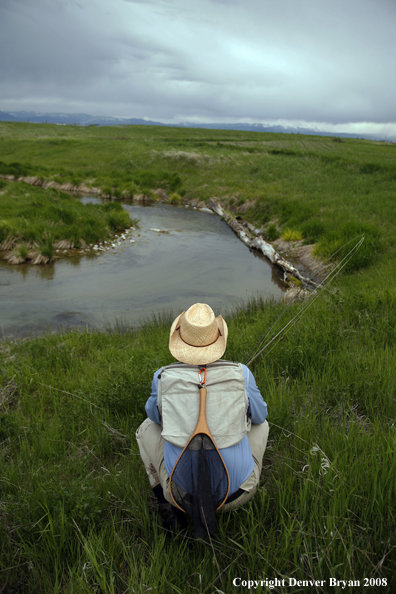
(257, 406)
(151, 407)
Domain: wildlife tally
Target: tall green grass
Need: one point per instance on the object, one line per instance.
(31, 216)
(76, 510)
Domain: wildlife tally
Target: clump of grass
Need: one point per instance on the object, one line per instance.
(175, 198)
(312, 230)
(192, 158)
(107, 192)
(116, 217)
(16, 169)
(23, 252)
(8, 233)
(130, 190)
(292, 280)
(47, 249)
(291, 235)
(272, 232)
(149, 179)
(340, 239)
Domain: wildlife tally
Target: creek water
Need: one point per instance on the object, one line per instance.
(199, 259)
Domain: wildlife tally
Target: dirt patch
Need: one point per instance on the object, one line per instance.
(243, 208)
(303, 258)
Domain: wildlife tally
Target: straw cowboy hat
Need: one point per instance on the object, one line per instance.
(197, 337)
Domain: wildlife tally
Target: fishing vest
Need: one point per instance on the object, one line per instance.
(226, 405)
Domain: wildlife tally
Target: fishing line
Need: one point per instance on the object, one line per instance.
(296, 296)
(330, 277)
(339, 267)
(270, 328)
(361, 239)
(288, 326)
(320, 285)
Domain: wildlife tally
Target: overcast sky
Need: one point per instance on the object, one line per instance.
(329, 63)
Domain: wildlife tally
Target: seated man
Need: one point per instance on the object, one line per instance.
(235, 411)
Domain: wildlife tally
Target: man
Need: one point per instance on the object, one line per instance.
(236, 412)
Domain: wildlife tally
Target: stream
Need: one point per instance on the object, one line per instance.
(198, 259)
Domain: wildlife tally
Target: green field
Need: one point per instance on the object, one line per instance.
(328, 191)
(76, 513)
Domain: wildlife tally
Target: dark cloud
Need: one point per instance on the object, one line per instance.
(307, 60)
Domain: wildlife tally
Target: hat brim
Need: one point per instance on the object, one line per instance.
(201, 355)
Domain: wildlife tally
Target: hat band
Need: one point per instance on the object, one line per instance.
(199, 346)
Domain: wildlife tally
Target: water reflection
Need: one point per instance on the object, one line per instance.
(46, 272)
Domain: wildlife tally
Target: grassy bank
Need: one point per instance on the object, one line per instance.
(34, 222)
(76, 514)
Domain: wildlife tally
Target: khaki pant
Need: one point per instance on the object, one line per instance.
(151, 446)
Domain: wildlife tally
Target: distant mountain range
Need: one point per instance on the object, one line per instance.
(82, 119)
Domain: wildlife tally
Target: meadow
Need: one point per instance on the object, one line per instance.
(76, 512)
(325, 190)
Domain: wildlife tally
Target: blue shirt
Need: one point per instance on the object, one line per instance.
(237, 458)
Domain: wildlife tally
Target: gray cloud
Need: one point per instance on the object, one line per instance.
(223, 60)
